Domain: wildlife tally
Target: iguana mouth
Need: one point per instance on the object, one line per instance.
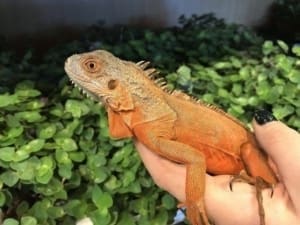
(87, 93)
(74, 77)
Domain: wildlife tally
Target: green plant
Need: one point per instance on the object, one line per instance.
(288, 10)
(57, 162)
(284, 20)
(198, 38)
(242, 84)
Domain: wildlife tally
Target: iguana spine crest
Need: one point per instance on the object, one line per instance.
(160, 82)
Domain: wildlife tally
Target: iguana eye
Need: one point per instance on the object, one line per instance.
(112, 84)
(91, 65)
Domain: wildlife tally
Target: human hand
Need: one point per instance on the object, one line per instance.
(226, 207)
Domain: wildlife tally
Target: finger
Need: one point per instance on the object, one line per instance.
(283, 146)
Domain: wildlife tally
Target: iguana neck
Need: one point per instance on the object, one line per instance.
(149, 104)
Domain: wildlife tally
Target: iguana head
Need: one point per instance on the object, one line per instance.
(126, 88)
(103, 76)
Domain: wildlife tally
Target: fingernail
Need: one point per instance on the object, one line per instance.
(263, 116)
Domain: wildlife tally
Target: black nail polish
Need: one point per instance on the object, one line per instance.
(263, 116)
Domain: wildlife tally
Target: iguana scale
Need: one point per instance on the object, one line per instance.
(171, 124)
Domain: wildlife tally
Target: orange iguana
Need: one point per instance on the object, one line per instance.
(171, 124)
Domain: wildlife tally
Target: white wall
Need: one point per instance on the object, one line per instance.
(19, 16)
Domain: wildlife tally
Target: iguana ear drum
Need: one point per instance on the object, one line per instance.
(112, 84)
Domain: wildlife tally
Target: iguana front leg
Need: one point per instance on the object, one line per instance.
(196, 170)
(195, 176)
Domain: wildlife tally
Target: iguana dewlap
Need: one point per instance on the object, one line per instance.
(171, 124)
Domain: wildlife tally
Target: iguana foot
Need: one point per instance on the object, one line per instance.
(241, 177)
(257, 181)
(259, 184)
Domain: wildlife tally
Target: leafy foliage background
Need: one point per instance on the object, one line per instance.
(57, 162)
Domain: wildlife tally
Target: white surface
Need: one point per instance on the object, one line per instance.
(85, 221)
(17, 17)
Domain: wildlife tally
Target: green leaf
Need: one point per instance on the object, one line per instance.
(283, 46)
(20, 155)
(237, 89)
(54, 186)
(280, 111)
(24, 85)
(46, 131)
(76, 108)
(129, 177)
(284, 63)
(44, 174)
(268, 47)
(121, 154)
(112, 184)
(55, 212)
(296, 50)
(236, 110)
(253, 101)
(99, 175)
(223, 93)
(244, 73)
(88, 133)
(76, 208)
(29, 116)
(101, 199)
(7, 154)
(57, 111)
(28, 93)
(6, 100)
(126, 218)
(222, 65)
(65, 170)
(77, 156)
(168, 201)
(28, 220)
(66, 144)
(12, 121)
(134, 187)
(22, 208)
(26, 169)
(161, 218)
(10, 221)
(33, 146)
(9, 178)
(2, 198)
(62, 157)
(294, 76)
(15, 132)
(184, 75)
(98, 217)
(35, 104)
(237, 63)
(97, 160)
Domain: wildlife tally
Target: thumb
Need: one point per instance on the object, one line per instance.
(282, 144)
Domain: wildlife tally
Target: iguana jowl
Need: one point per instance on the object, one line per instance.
(172, 125)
